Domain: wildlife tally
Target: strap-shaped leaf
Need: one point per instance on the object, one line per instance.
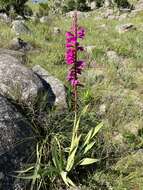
(71, 157)
(88, 137)
(87, 161)
(88, 147)
(32, 177)
(66, 179)
(92, 133)
(60, 155)
(26, 170)
(96, 129)
(55, 156)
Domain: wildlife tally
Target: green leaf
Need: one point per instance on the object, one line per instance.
(96, 129)
(87, 161)
(71, 157)
(33, 177)
(25, 171)
(77, 121)
(36, 174)
(88, 137)
(84, 110)
(56, 155)
(64, 177)
(92, 133)
(88, 147)
(51, 170)
(61, 159)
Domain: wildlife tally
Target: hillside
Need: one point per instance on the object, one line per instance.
(112, 88)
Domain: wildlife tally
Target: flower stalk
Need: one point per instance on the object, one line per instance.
(72, 48)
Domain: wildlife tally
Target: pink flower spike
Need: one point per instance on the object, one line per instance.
(68, 45)
(81, 33)
(72, 48)
(75, 82)
(71, 40)
(80, 63)
(69, 34)
(71, 75)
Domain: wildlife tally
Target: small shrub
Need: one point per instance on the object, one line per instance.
(79, 5)
(122, 3)
(43, 9)
(17, 5)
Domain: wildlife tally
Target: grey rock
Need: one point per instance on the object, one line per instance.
(102, 109)
(21, 56)
(16, 143)
(19, 44)
(125, 27)
(139, 5)
(93, 5)
(44, 19)
(79, 14)
(57, 30)
(17, 81)
(56, 85)
(108, 3)
(125, 10)
(4, 18)
(107, 13)
(19, 27)
(113, 56)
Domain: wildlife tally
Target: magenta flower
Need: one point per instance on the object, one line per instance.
(71, 56)
(72, 48)
(81, 33)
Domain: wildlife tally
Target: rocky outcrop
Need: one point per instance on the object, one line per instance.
(4, 18)
(21, 56)
(19, 44)
(112, 56)
(139, 5)
(56, 30)
(16, 142)
(44, 19)
(23, 85)
(19, 27)
(79, 13)
(125, 27)
(17, 81)
(56, 85)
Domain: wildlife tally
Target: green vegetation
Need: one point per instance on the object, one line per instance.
(113, 91)
(18, 5)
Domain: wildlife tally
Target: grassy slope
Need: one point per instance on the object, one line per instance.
(121, 90)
